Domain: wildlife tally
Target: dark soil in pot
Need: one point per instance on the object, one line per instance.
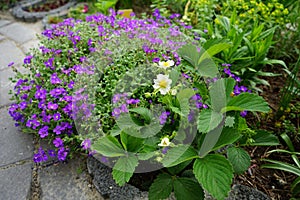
(46, 6)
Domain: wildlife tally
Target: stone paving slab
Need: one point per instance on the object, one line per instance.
(14, 145)
(5, 86)
(4, 22)
(9, 52)
(2, 37)
(20, 34)
(29, 45)
(15, 182)
(67, 181)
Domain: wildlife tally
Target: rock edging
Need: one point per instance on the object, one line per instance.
(19, 12)
(106, 186)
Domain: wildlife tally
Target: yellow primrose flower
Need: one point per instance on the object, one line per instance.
(162, 83)
(165, 65)
(164, 142)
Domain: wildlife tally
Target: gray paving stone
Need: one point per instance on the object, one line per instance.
(18, 32)
(2, 37)
(29, 45)
(64, 182)
(14, 145)
(4, 22)
(9, 52)
(5, 86)
(15, 182)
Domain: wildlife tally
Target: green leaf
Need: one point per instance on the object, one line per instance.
(228, 136)
(247, 101)
(108, 146)
(229, 85)
(144, 112)
(187, 189)
(174, 76)
(295, 186)
(218, 93)
(179, 167)
(183, 98)
(210, 140)
(215, 174)
(239, 159)
(264, 138)
(281, 166)
(208, 120)
(229, 121)
(123, 169)
(207, 68)
(213, 50)
(179, 154)
(190, 54)
(161, 188)
(130, 143)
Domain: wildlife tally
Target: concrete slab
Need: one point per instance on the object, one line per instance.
(4, 22)
(15, 182)
(9, 52)
(2, 37)
(18, 32)
(14, 145)
(67, 181)
(5, 86)
(29, 45)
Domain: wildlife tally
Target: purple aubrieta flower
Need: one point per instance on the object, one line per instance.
(86, 144)
(52, 106)
(10, 64)
(62, 154)
(175, 15)
(163, 117)
(132, 101)
(43, 132)
(56, 116)
(49, 63)
(51, 153)
(243, 113)
(57, 130)
(156, 59)
(40, 156)
(54, 79)
(27, 59)
(58, 142)
(23, 105)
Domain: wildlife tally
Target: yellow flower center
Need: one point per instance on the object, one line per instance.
(163, 84)
(166, 64)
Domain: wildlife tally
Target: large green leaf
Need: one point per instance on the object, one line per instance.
(123, 169)
(239, 159)
(144, 112)
(179, 154)
(215, 174)
(208, 68)
(161, 188)
(228, 136)
(130, 143)
(183, 98)
(218, 93)
(174, 76)
(108, 146)
(262, 138)
(208, 120)
(187, 189)
(190, 54)
(247, 101)
(213, 50)
(210, 140)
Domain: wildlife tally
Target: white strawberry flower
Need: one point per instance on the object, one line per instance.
(164, 142)
(165, 64)
(162, 83)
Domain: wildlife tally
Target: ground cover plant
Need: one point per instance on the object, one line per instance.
(199, 108)
(157, 92)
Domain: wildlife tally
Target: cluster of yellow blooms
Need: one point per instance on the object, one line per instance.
(256, 10)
